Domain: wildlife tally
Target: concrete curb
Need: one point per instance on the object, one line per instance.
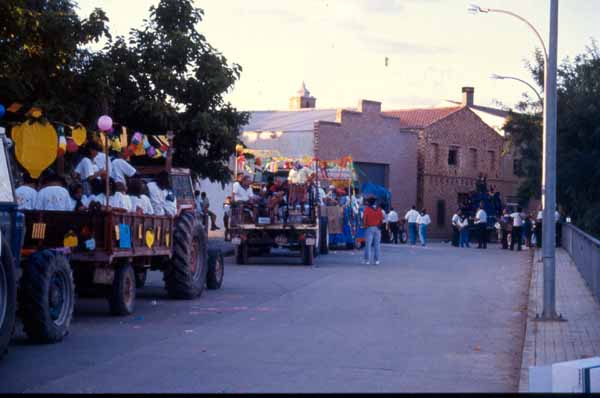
(530, 329)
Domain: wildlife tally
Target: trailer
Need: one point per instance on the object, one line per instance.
(254, 231)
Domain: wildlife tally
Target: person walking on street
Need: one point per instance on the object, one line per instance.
(538, 227)
(558, 228)
(481, 223)
(411, 218)
(456, 228)
(463, 225)
(372, 220)
(505, 229)
(527, 227)
(393, 219)
(517, 229)
(423, 221)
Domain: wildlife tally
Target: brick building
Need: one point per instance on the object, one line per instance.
(384, 153)
(455, 146)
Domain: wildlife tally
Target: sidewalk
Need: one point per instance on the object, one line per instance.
(551, 342)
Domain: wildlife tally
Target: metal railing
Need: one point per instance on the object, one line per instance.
(585, 253)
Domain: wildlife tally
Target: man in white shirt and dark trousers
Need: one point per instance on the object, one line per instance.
(411, 218)
(481, 223)
(455, 228)
(517, 229)
(393, 219)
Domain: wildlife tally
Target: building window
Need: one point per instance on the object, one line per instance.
(441, 213)
(435, 151)
(474, 160)
(453, 156)
(492, 157)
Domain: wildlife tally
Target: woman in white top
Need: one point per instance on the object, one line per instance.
(119, 199)
(163, 201)
(140, 203)
(120, 168)
(27, 193)
(423, 221)
(53, 196)
(86, 170)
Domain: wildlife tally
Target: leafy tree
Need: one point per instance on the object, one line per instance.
(168, 77)
(578, 149)
(43, 55)
(164, 76)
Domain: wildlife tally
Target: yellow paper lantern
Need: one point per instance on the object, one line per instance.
(79, 135)
(36, 146)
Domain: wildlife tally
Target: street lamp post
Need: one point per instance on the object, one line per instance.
(537, 93)
(549, 155)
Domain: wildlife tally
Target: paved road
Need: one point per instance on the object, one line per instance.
(434, 319)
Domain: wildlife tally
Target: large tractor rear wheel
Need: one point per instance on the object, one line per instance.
(323, 236)
(46, 296)
(185, 275)
(8, 297)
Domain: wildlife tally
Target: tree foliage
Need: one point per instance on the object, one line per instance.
(163, 76)
(578, 147)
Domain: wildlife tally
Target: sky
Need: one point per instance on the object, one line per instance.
(339, 47)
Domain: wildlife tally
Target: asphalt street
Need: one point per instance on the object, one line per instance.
(426, 320)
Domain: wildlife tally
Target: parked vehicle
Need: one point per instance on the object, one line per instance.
(41, 283)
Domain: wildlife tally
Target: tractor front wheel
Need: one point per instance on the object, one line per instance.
(46, 296)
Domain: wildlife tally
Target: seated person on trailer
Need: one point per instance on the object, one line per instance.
(53, 196)
(243, 194)
(161, 197)
(298, 178)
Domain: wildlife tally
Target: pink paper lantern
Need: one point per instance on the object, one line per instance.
(105, 123)
(137, 138)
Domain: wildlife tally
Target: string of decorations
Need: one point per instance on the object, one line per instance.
(38, 143)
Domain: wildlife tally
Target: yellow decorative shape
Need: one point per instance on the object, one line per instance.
(139, 149)
(35, 113)
(38, 231)
(149, 238)
(79, 135)
(140, 232)
(117, 232)
(167, 239)
(36, 146)
(70, 240)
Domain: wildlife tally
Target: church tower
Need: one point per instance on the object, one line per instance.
(302, 99)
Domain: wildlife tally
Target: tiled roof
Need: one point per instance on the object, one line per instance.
(420, 118)
(296, 120)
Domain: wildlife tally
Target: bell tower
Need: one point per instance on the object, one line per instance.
(302, 99)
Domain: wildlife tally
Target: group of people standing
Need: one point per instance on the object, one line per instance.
(417, 221)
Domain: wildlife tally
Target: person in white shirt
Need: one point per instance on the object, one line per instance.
(517, 229)
(77, 197)
(299, 174)
(423, 220)
(411, 218)
(53, 196)
(86, 171)
(119, 199)
(140, 202)
(120, 168)
(98, 157)
(481, 224)
(27, 193)
(242, 192)
(456, 228)
(463, 225)
(393, 219)
(163, 201)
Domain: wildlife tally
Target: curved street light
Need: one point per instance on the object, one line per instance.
(500, 77)
(549, 151)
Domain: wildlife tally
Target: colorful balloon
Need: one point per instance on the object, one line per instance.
(137, 138)
(105, 123)
(151, 151)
